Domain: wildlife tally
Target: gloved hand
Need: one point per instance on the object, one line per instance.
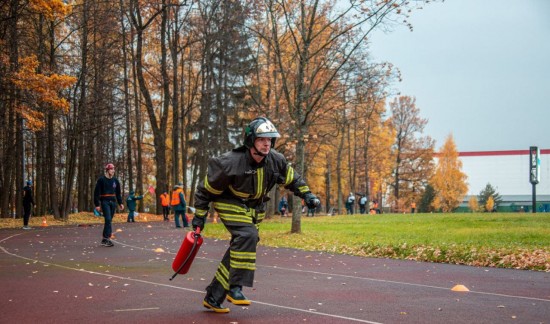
(311, 200)
(199, 222)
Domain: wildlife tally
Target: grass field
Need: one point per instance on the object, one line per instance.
(507, 240)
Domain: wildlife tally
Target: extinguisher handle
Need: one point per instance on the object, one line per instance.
(198, 231)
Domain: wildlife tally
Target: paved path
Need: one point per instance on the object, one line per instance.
(63, 275)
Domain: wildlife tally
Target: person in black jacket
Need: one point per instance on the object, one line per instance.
(28, 204)
(236, 186)
(107, 194)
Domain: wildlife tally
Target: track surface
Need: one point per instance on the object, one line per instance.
(63, 275)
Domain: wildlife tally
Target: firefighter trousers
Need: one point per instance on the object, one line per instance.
(239, 261)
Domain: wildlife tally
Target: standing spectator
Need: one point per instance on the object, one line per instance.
(311, 210)
(283, 206)
(237, 185)
(131, 203)
(106, 196)
(376, 207)
(350, 203)
(362, 204)
(28, 204)
(165, 202)
(413, 207)
(179, 205)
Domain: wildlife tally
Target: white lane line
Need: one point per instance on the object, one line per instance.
(181, 288)
(316, 312)
(367, 278)
(9, 237)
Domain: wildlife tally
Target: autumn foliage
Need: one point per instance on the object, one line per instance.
(448, 181)
(41, 91)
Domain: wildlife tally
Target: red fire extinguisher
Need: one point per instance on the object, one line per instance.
(186, 254)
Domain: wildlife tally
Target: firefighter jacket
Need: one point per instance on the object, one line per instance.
(237, 185)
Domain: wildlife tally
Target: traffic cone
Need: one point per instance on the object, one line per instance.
(460, 288)
(44, 223)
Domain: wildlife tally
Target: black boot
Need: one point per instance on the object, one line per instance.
(211, 303)
(235, 295)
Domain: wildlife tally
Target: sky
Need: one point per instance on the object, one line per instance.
(479, 70)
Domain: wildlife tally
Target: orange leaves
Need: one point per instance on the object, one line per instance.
(51, 9)
(449, 181)
(39, 89)
(473, 204)
(35, 119)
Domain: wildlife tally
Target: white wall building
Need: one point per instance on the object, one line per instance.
(508, 173)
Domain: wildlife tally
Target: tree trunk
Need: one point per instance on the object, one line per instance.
(130, 166)
(328, 184)
(9, 178)
(159, 132)
(176, 120)
(339, 175)
(139, 133)
(52, 178)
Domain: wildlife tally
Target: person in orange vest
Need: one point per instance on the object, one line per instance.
(179, 204)
(165, 202)
(413, 207)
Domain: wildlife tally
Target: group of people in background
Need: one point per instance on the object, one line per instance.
(283, 208)
(373, 207)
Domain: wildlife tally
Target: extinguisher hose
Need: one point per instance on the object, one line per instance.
(188, 256)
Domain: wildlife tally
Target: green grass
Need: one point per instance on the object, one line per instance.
(507, 240)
